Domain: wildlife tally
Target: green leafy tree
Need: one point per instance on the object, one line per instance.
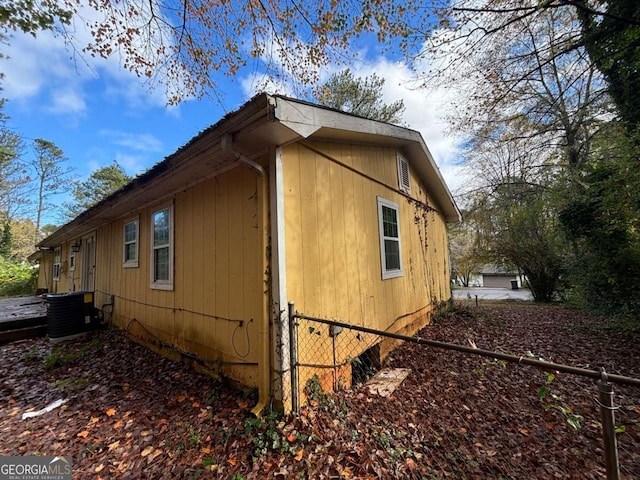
(16, 239)
(590, 162)
(518, 226)
(31, 17)
(100, 184)
(602, 219)
(22, 233)
(537, 101)
(49, 176)
(5, 241)
(613, 42)
(466, 257)
(13, 175)
(360, 96)
(513, 206)
(17, 278)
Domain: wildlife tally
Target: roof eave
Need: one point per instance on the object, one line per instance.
(275, 120)
(145, 188)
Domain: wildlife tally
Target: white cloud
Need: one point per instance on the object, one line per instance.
(44, 72)
(144, 142)
(425, 111)
(67, 101)
(257, 82)
(132, 164)
(93, 166)
(41, 66)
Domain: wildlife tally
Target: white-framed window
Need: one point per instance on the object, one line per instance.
(57, 260)
(162, 248)
(390, 248)
(404, 179)
(130, 244)
(72, 261)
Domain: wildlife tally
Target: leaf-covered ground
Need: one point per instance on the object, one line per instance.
(132, 414)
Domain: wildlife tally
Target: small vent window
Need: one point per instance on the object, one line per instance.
(404, 182)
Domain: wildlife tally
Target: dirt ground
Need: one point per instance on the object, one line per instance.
(132, 414)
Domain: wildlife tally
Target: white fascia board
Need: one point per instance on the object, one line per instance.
(307, 119)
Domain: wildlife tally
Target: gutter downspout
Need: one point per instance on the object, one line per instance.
(264, 361)
(227, 145)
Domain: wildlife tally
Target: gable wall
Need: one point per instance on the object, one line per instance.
(333, 263)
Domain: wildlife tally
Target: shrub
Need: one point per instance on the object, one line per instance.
(17, 278)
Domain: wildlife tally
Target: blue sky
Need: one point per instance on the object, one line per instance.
(97, 112)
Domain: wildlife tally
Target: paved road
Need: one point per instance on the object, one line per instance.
(492, 293)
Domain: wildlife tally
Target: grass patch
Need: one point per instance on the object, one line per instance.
(60, 356)
(71, 383)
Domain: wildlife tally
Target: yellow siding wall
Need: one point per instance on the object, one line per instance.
(333, 263)
(69, 280)
(215, 307)
(45, 268)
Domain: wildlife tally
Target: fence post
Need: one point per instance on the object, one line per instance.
(293, 356)
(607, 408)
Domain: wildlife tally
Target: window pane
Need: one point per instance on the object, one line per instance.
(161, 263)
(130, 252)
(130, 232)
(392, 254)
(389, 222)
(161, 228)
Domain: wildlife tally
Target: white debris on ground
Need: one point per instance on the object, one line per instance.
(47, 409)
(386, 381)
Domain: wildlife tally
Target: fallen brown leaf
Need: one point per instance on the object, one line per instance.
(156, 453)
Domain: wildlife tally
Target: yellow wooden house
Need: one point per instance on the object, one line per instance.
(280, 201)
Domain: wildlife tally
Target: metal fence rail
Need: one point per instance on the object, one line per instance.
(331, 355)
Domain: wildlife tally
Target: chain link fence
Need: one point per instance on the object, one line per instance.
(422, 412)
